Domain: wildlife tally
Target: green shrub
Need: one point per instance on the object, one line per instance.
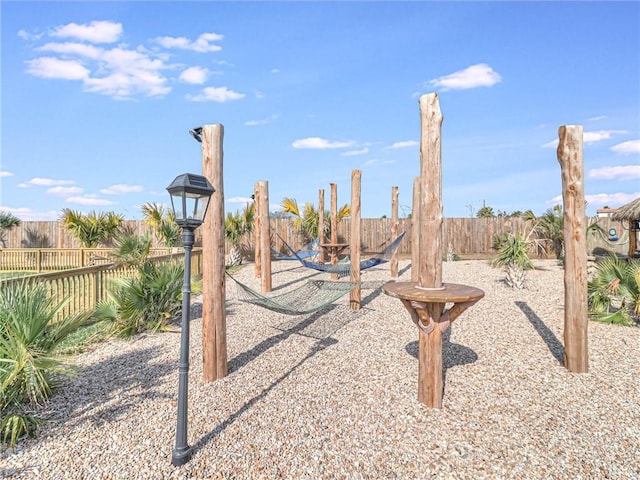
(614, 291)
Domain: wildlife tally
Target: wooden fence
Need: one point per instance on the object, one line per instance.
(82, 288)
(466, 237)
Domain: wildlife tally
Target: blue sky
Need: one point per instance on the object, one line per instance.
(98, 98)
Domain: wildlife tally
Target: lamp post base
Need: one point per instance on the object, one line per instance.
(180, 456)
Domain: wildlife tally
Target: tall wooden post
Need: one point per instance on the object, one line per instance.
(394, 231)
(334, 224)
(256, 231)
(570, 156)
(354, 238)
(415, 230)
(214, 327)
(321, 238)
(265, 237)
(430, 378)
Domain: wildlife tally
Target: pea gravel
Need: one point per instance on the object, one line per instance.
(333, 395)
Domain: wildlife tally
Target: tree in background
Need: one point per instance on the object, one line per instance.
(307, 221)
(485, 212)
(236, 226)
(550, 227)
(7, 222)
(163, 223)
(92, 229)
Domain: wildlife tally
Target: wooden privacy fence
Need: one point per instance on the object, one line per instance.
(86, 286)
(466, 237)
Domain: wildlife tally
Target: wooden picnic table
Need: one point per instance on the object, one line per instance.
(427, 309)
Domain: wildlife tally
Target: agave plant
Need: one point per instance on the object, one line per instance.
(614, 291)
(31, 362)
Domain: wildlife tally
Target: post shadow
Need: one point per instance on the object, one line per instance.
(555, 346)
(453, 354)
(317, 347)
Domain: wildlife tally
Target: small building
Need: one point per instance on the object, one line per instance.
(630, 213)
(605, 212)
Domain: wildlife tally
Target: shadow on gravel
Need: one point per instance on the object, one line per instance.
(317, 347)
(555, 346)
(453, 354)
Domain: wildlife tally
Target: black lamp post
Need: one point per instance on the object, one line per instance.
(189, 200)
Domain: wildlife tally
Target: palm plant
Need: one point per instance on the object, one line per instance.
(91, 229)
(146, 302)
(163, 223)
(7, 222)
(550, 227)
(614, 291)
(130, 249)
(31, 362)
(308, 221)
(236, 226)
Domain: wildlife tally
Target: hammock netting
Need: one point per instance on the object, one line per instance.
(314, 295)
(343, 267)
(308, 250)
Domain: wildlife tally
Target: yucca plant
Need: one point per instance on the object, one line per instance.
(146, 302)
(31, 363)
(614, 291)
(513, 255)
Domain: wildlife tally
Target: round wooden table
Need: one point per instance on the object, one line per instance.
(427, 309)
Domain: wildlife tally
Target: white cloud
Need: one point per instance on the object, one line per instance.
(404, 144)
(479, 75)
(368, 163)
(593, 137)
(194, 75)
(266, 121)
(27, 215)
(611, 199)
(202, 44)
(320, 143)
(51, 67)
(216, 94)
(627, 148)
(90, 200)
(45, 182)
(4, 173)
(351, 153)
(601, 199)
(29, 36)
(120, 189)
(595, 119)
(64, 191)
(627, 172)
(73, 48)
(240, 201)
(94, 32)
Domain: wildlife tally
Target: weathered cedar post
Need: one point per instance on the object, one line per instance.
(256, 231)
(354, 238)
(394, 231)
(214, 327)
(415, 230)
(576, 358)
(430, 381)
(334, 224)
(321, 238)
(265, 236)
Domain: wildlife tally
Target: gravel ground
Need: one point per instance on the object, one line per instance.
(333, 395)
